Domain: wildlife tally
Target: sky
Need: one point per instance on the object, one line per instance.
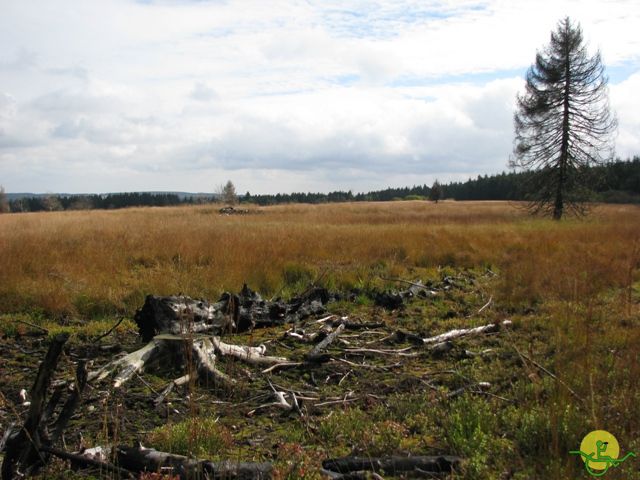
(281, 95)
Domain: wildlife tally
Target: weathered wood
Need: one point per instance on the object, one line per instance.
(232, 312)
(204, 356)
(393, 465)
(72, 402)
(179, 314)
(316, 355)
(253, 355)
(183, 380)
(129, 365)
(204, 352)
(464, 332)
(141, 459)
(23, 447)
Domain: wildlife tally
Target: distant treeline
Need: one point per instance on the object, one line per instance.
(103, 202)
(616, 182)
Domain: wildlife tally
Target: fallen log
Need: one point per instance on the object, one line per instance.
(140, 459)
(393, 465)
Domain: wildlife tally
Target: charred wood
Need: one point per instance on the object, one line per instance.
(23, 446)
(393, 465)
(141, 459)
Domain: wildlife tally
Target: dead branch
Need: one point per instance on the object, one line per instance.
(205, 359)
(278, 366)
(141, 459)
(370, 367)
(42, 330)
(72, 402)
(253, 355)
(394, 465)
(485, 305)
(108, 332)
(128, 365)
(23, 447)
(315, 355)
(87, 461)
(552, 375)
(402, 352)
(169, 388)
(464, 332)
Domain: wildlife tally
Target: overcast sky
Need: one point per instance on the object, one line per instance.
(281, 96)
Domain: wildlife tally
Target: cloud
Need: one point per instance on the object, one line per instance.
(23, 59)
(285, 95)
(626, 103)
(203, 93)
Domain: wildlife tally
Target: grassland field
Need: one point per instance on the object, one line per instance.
(571, 289)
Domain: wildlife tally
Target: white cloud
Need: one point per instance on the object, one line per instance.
(281, 95)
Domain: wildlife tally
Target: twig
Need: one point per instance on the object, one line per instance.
(108, 332)
(347, 398)
(371, 367)
(524, 357)
(404, 281)
(345, 376)
(322, 320)
(32, 325)
(278, 366)
(485, 305)
(146, 384)
(401, 352)
(315, 354)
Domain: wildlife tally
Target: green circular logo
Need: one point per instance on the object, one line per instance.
(600, 451)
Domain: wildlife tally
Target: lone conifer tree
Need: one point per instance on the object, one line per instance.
(227, 193)
(435, 194)
(4, 203)
(563, 124)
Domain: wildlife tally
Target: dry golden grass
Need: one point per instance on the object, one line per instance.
(571, 288)
(93, 263)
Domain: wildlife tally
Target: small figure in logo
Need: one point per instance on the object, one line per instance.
(597, 463)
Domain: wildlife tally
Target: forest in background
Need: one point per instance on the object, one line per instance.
(616, 182)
